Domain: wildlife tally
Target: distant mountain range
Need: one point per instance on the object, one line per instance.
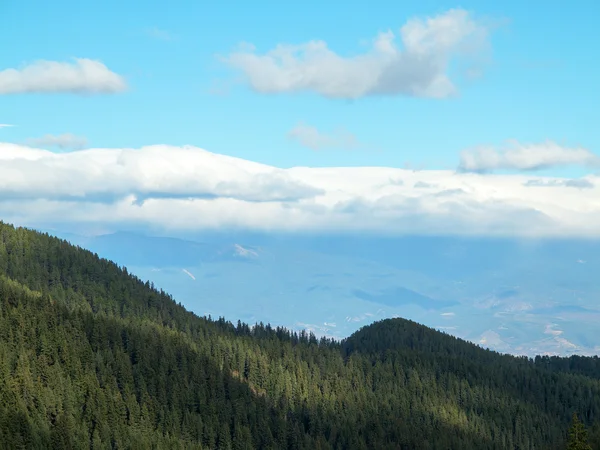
(514, 296)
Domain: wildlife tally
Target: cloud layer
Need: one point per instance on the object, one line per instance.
(83, 76)
(188, 188)
(311, 137)
(526, 157)
(65, 141)
(419, 68)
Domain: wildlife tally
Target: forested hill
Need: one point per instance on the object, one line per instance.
(92, 357)
(406, 336)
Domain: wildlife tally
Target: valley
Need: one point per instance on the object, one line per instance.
(510, 296)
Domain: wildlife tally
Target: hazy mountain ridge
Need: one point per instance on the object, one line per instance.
(497, 292)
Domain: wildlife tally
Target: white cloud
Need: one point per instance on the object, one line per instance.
(155, 172)
(419, 68)
(311, 137)
(188, 188)
(551, 330)
(525, 157)
(5, 125)
(83, 76)
(62, 141)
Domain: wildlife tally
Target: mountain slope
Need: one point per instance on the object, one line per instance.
(92, 357)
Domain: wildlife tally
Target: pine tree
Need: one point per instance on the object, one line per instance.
(578, 439)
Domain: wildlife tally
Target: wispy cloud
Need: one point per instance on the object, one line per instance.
(419, 68)
(83, 76)
(523, 157)
(63, 141)
(309, 136)
(579, 183)
(160, 34)
(5, 125)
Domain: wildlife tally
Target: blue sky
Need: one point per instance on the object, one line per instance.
(540, 82)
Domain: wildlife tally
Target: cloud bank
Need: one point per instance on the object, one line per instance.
(63, 141)
(83, 76)
(419, 67)
(187, 188)
(526, 157)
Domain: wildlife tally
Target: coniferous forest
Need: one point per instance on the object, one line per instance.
(92, 357)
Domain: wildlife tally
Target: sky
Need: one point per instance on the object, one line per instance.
(473, 117)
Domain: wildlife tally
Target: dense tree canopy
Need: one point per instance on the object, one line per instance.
(92, 357)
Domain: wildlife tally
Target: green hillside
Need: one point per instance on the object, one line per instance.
(92, 357)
